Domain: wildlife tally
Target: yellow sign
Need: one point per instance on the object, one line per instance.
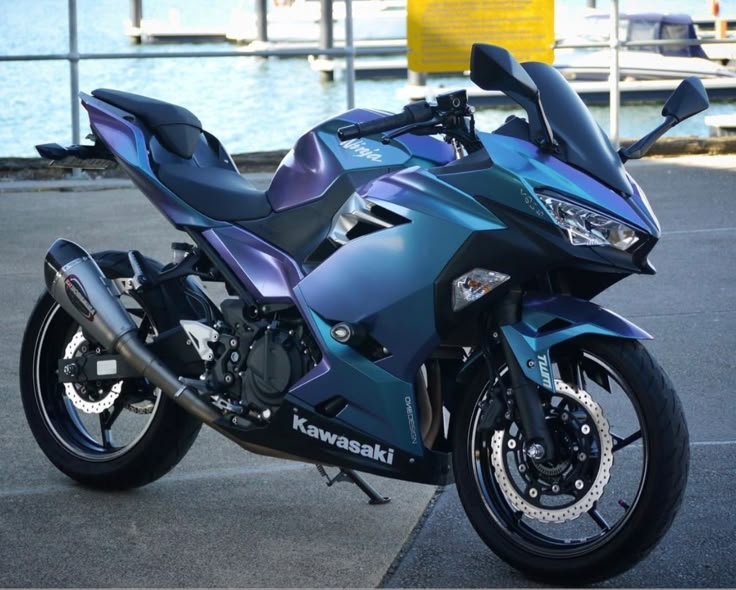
(440, 33)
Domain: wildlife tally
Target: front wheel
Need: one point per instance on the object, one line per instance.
(618, 475)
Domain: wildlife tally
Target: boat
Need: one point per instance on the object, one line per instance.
(596, 92)
(649, 62)
(721, 125)
(298, 21)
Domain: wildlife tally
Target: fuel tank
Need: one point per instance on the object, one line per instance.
(319, 158)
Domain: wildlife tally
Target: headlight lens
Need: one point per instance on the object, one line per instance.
(588, 228)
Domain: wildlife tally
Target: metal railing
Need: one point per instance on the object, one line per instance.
(348, 51)
(73, 56)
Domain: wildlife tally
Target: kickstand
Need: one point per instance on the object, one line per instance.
(350, 476)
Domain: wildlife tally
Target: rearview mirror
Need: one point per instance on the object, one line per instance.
(688, 99)
(494, 68)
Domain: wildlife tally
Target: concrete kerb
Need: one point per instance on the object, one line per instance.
(259, 179)
(18, 170)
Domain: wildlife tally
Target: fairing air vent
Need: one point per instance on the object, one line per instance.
(356, 218)
(360, 217)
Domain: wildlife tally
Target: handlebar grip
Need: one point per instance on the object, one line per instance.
(412, 113)
(349, 132)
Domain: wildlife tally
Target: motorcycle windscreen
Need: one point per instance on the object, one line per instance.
(584, 143)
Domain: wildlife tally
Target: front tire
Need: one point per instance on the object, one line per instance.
(632, 474)
(152, 433)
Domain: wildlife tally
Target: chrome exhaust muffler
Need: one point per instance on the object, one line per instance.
(77, 284)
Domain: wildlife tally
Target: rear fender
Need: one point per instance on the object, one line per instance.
(549, 321)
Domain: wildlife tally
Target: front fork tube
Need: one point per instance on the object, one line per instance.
(529, 404)
(524, 392)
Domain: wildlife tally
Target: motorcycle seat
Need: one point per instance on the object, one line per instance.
(175, 127)
(220, 194)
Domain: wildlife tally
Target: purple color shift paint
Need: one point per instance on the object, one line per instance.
(304, 175)
(312, 166)
(268, 273)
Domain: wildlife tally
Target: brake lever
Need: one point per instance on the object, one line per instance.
(387, 137)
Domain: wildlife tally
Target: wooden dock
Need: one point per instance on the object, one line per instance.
(160, 33)
(592, 93)
(364, 69)
(374, 47)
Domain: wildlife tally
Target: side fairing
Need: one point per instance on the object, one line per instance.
(385, 280)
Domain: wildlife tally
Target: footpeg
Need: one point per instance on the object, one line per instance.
(140, 279)
(350, 476)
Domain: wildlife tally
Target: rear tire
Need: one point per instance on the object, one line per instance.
(516, 535)
(62, 431)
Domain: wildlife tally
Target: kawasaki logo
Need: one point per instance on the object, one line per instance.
(361, 150)
(375, 452)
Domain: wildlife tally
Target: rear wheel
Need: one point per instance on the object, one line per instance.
(111, 434)
(617, 479)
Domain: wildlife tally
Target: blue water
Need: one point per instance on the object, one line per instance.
(251, 104)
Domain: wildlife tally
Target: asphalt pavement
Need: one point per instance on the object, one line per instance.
(224, 517)
(690, 308)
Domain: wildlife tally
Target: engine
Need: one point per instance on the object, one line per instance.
(254, 355)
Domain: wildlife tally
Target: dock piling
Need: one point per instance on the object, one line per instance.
(262, 19)
(326, 36)
(416, 78)
(136, 16)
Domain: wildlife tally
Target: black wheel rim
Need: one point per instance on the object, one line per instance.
(609, 514)
(82, 435)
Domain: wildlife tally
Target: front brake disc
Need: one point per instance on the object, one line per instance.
(515, 497)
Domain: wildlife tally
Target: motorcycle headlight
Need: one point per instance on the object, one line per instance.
(585, 227)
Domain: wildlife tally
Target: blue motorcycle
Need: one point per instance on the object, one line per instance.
(409, 298)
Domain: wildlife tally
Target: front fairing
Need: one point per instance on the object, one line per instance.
(582, 143)
(537, 170)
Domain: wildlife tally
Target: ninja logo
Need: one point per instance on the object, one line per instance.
(361, 150)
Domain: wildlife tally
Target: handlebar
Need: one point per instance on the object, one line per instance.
(416, 112)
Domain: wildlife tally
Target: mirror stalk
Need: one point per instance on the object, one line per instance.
(539, 127)
(641, 147)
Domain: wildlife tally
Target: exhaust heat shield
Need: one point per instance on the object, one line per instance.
(79, 286)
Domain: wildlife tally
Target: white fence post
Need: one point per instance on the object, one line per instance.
(349, 54)
(613, 79)
(74, 77)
